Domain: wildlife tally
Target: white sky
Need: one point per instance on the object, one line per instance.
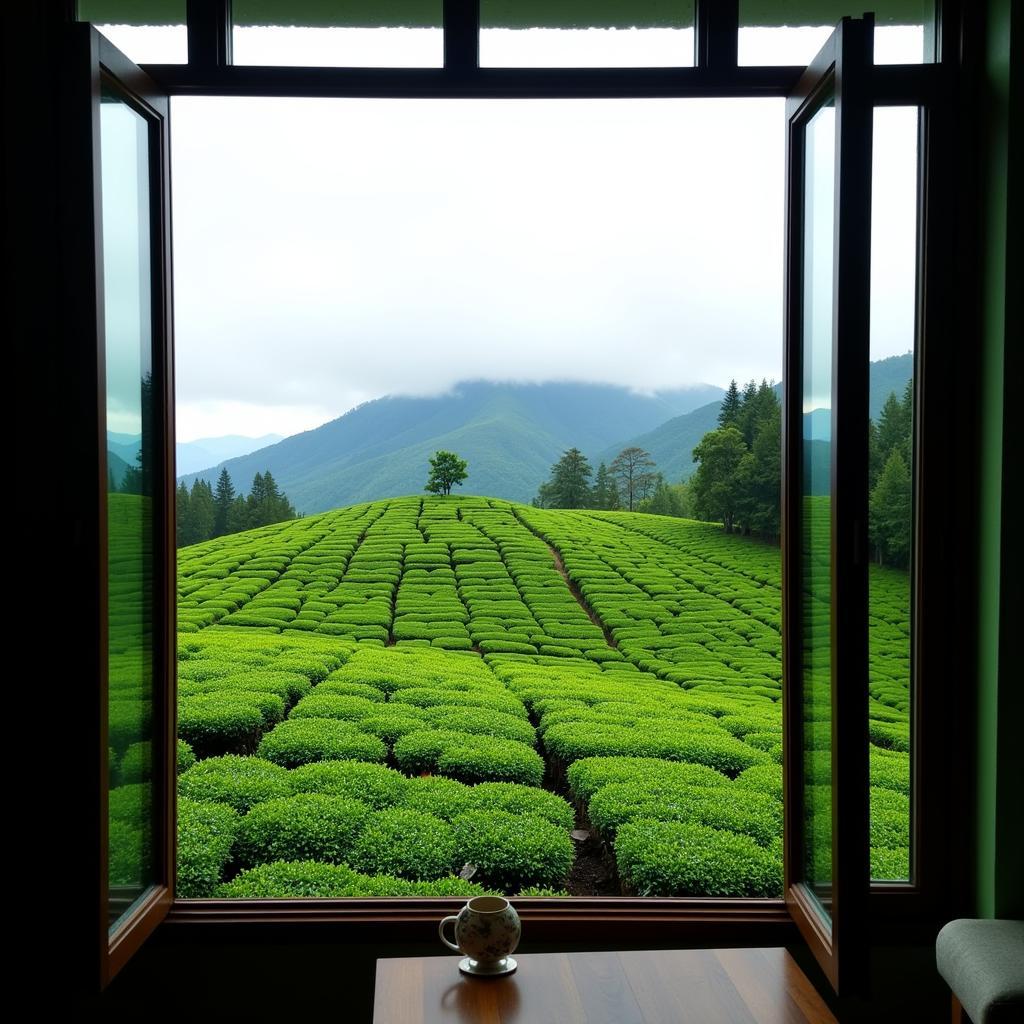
(332, 251)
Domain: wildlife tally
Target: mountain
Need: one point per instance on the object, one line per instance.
(510, 434)
(193, 456)
(671, 444)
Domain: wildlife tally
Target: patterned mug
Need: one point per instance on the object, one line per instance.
(487, 930)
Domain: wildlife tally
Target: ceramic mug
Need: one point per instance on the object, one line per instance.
(487, 930)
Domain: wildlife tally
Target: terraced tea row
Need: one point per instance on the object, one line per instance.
(434, 647)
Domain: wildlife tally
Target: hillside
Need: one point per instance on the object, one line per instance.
(510, 434)
(671, 444)
(373, 697)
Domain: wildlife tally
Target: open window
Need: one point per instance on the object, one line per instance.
(122, 218)
(119, 222)
(825, 542)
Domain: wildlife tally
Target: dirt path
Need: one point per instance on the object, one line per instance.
(580, 599)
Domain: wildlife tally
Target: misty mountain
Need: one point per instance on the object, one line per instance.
(510, 434)
(671, 444)
(191, 456)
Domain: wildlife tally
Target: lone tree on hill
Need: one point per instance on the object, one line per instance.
(446, 470)
(633, 471)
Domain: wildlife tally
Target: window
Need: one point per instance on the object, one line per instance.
(711, 75)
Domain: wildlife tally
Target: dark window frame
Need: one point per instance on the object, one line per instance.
(931, 87)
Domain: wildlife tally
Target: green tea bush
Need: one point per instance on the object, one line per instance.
(517, 799)
(443, 798)
(346, 689)
(296, 879)
(333, 705)
(219, 723)
(301, 740)
(374, 784)
(672, 858)
(480, 721)
(186, 757)
(571, 741)
(137, 763)
(513, 850)
(310, 825)
(590, 774)
(405, 842)
(206, 832)
(241, 782)
(735, 810)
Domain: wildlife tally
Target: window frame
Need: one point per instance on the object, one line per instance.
(931, 87)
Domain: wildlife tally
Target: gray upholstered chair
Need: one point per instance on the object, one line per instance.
(983, 963)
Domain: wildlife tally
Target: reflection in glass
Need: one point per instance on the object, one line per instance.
(571, 34)
(145, 32)
(894, 200)
(816, 527)
(128, 350)
(783, 32)
(391, 34)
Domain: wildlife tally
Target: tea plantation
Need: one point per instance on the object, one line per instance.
(373, 698)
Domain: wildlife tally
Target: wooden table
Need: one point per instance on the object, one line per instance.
(702, 986)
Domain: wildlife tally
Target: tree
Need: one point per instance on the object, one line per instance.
(569, 485)
(666, 499)
(605, 494)
(223, 499)
(729, 413)
(199, 519)
(889, 512)
(446, 470)
(633, 471)
(181, 499)
(716, 485)
(760, 477)
(266, 504)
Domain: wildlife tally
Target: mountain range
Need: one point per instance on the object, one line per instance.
(191, 456)
(510, 434)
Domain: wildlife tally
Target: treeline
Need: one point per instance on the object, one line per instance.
(632, 483)
(205, 512)
(738, 480)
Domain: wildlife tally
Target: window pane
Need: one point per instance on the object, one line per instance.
(146, 31)
(578, 34)
(819, 192)
(781, 32)
(894, 202)
(128, 349)
(345, 33)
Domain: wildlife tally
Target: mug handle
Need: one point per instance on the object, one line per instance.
(440, 932)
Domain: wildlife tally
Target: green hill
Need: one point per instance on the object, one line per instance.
(372, 697)
(510, 434)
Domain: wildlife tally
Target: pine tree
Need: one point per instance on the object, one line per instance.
(889, 512)
(569, 486)
(223, 499)
(199, 518)
(604, 495)
(729, 413)
(181, 503)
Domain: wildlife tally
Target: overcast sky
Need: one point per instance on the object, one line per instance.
(332, 251)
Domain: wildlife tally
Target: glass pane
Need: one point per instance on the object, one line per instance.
(579, 34)
(894, 205)
(345, 33)
(793, 31)
(816, 602)
(145, 31)
(128, 346)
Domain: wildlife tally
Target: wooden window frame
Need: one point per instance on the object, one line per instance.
(933, 88)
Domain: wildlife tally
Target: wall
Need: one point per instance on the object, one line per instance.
(1000, 754)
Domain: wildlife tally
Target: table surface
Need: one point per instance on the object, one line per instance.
(679, 986)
